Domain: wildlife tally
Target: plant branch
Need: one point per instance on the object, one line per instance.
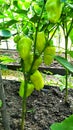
(24, 97)
(37, 29)
(49, 40)
(70, 28)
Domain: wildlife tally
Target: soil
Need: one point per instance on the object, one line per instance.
(43, 108)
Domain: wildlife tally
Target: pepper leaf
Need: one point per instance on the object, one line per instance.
(5, 33)
(64, 63)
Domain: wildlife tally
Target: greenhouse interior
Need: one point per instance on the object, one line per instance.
(36, 64)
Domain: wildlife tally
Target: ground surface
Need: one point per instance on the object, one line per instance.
(44, 107)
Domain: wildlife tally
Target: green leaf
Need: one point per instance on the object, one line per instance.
(5, 33)
(34, 18)
(36, 8)
(70, 5)
(70, 53)
(0, 103)
(2, 1)
(6, 59)
(56, 126)
(1, 16)
(6, 24)
(71, 35)
(64, 63)
(24, 4)
(20, 11)
(67, 124)
(63, 0)
(15, 3)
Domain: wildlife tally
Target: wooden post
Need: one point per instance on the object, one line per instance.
(4, 115)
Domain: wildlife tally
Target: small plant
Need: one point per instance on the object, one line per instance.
(33, 51)
(32, 77)
(67, 27)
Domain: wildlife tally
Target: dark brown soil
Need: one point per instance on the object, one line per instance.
(43, 108)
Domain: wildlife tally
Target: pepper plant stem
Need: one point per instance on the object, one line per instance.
(24, 106)
(66, 84)
(24, 100)
(66, 34)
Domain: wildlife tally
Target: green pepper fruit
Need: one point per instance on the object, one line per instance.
(37, 80)
(54, 9)
(28, 62)
(40, 41)
(30, 89)
(24, 47)
(49, 54)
